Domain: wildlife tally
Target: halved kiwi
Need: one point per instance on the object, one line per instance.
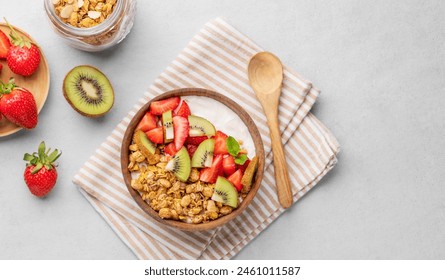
(200, 127)
(88, 91)
(180, 165)
(225, 192)
(203, 156)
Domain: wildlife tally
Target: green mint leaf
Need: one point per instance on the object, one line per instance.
(232, 146)
(241, 159)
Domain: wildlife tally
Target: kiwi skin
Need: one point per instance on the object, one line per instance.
(74, 107)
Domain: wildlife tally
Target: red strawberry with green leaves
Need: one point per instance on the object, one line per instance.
(5, 44)
(40, 173)
(18, 105)
(23, 57)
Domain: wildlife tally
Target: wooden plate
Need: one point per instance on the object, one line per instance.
(37, 83)
(259, 151)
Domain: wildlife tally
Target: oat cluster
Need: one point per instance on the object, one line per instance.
(84, 13)
(188, 202)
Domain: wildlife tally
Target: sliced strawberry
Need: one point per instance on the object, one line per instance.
(181, 128)
(170, 149)
(221, 172)
(210, 174)
(235, 179)
(220, 143)
(229, 165)
(156, 135)
(196, 140)
(244, 166)
(191, 149)
(5, 44)
(159, 107)
(147, 123)
(183, 110)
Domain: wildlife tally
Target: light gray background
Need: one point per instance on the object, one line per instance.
(380, 66)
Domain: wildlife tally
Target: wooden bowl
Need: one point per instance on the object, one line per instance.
(259, 151)
(37, 83)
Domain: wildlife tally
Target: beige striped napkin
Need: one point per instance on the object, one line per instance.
(216, 59)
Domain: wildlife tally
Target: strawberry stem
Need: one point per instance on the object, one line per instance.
(16, 39)
(7, 88)
(42, 158)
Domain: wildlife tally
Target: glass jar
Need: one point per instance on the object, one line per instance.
(100, 37)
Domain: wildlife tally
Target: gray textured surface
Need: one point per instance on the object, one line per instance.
(380, 66)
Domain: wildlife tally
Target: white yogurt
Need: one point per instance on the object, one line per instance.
(223, 118)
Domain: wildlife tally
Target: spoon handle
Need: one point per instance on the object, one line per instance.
(279, 159)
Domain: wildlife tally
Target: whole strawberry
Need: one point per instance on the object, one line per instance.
(40, 173)
(18, 105)
(23, 57)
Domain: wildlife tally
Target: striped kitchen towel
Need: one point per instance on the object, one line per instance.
(215, 59)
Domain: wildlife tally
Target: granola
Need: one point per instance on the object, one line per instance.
(184, 201)
(84, 13)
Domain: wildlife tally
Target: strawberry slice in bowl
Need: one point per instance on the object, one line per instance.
(148, 122)
(220, 143)
(210, 174)
(196, 140)
(183, 110)
(156, 135)
(181, 128)
(162, 106)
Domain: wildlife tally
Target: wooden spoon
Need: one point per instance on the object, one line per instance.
(266, 76)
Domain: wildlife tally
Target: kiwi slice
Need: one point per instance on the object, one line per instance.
(225, 192)
(180, 165)
(203, 156)
(88, 91)
(246, 181)
(200, 127)
(148, 148)
(167, 122)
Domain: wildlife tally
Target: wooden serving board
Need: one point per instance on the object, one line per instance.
(37, 83)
